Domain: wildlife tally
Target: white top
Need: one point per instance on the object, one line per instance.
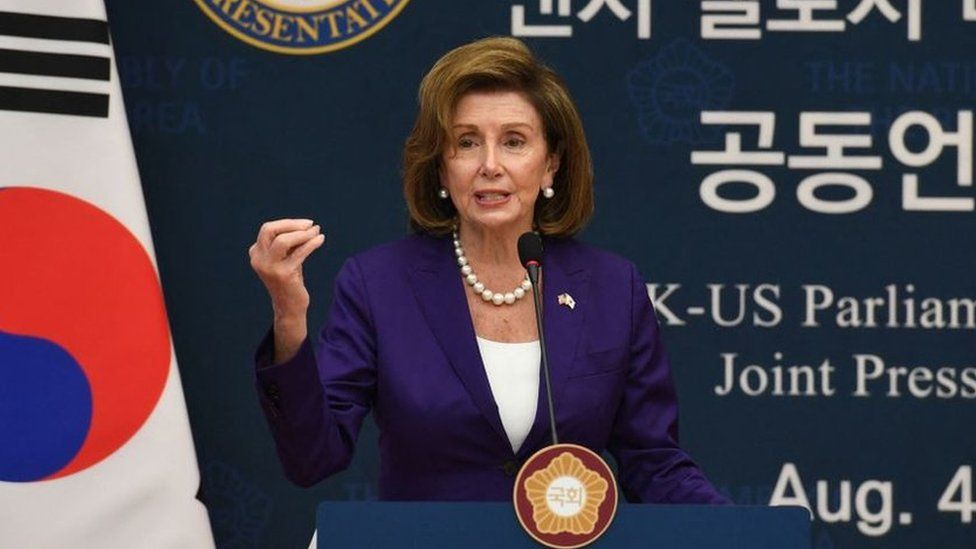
(513, 374)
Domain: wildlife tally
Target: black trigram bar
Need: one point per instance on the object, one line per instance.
(75, 29)
(54, 64)
(53, 101)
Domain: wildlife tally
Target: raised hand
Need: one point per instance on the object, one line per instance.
(277, 257)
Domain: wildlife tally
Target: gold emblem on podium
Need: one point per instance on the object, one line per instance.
(565, 496)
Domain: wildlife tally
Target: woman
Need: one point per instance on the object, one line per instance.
(433, 333)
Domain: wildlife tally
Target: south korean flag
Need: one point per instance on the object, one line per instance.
(95, 445)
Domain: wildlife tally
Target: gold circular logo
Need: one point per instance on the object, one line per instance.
(301, 27)
(565, 496)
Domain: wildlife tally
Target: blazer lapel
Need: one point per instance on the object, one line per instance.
(561, 274)
(440, 293)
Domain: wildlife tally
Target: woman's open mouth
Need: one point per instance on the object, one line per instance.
(491, 198)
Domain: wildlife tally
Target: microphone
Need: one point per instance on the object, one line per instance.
(530, 254)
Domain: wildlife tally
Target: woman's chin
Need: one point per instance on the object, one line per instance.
(499, 221)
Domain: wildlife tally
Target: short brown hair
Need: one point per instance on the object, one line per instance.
(497, 64)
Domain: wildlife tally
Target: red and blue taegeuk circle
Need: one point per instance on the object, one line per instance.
(84, 339)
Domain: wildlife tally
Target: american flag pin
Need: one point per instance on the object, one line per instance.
(567, 300)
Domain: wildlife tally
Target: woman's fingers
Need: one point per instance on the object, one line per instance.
(272, 229)
(281, 247)
(277, 255)
(300, 253)
(285, 242)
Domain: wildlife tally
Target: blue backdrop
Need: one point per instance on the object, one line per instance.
(794, 179)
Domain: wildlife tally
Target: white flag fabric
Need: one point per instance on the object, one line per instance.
(95, 445)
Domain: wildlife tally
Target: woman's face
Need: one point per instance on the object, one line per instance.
(496, 162)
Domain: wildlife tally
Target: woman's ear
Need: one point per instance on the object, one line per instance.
(441, 174)
(552, 163)
(552, 166)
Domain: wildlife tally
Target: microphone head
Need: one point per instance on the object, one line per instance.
(530, 248)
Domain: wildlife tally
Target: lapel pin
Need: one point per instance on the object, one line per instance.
(567, 300)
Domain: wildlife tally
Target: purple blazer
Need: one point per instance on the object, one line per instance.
(399, 341)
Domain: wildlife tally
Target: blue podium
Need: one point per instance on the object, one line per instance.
(493, 525)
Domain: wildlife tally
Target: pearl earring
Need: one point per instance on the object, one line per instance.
(443, 193)
(548, 192)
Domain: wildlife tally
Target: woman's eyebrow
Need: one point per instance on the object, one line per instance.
(506, 126)
(519, 125)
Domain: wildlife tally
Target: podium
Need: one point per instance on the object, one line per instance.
(493, 525)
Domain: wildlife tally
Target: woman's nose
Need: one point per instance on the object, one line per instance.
(490, 166)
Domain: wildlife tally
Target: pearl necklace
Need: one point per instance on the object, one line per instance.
(479, 288)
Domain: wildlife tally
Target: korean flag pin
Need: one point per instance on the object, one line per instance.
(567, 300)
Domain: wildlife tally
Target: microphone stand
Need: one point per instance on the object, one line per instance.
(530, 254)
(533, 268)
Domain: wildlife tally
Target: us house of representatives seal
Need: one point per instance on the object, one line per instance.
(301, 27)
